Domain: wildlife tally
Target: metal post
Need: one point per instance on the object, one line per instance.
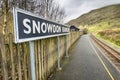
(32, 60)
(58, 40)
(67, 46)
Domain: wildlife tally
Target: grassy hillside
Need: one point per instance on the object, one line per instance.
(105, 25)
(108, 31)
(104, 22)
(97, 15)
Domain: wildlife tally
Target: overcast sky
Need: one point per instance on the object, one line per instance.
(75, 8)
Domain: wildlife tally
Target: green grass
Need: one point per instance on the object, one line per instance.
(108, 41)
(98, 27)
(104, 25)
(97, 15)
(107, 30)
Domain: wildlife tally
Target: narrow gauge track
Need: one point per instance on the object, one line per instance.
(110, 51)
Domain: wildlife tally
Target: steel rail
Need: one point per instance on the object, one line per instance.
(109, 50)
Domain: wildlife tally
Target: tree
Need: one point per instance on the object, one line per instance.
(51, 10)
(45, 8)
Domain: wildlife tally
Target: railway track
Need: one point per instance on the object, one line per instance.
(110, 52)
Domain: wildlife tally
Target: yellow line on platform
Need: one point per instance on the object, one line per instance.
(107, 70)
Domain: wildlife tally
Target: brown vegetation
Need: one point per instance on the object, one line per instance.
(112, 35)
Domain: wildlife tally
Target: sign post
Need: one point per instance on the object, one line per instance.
(67, 46)
(32, 60)
(29, 27)
(58, 40)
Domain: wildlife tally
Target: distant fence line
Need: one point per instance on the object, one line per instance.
(15, 58)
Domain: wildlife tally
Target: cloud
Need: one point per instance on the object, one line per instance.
(75, 8)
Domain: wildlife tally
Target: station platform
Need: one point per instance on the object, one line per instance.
(86, 62)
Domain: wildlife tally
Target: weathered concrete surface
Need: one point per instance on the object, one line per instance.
(84, 64)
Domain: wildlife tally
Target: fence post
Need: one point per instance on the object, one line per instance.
(19, 62)
(24, 62)
(12, 56)
(4, 62)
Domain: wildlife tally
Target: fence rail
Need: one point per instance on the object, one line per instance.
(15, 58)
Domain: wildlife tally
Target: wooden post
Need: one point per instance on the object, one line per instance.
(24, 61)
(12, 56)
(39, 59)
(4, 62)
(19, 63)
(36, 58)
(42, 59)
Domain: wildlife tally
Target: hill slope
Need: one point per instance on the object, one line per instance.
(104, 22)
(97, 15)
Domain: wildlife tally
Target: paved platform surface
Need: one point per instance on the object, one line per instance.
(86, 62)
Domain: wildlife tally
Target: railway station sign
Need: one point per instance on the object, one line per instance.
(29, 27)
